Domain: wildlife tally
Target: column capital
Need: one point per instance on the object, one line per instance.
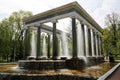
(54, 21)
(91, 29)
(48, 34)
(84, 23)
(88, 26)
(37, 24)
(96, 33)
(26, 27)
(72, 16)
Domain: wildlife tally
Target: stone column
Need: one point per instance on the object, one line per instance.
(55, 41)
(80, 39)
(48, 53)
(92, 42)
(51, 43)
(74, 39)
(60, 46)
(86, 40)
(38, 42)
(96, 44)
(89, 42)
(100, 45)
(69, 52)
(83, 39)
(26, 43)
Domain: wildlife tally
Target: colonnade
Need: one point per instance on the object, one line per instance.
(90, 41)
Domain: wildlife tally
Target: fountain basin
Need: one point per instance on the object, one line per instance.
(91, 61)
(92, 73)
(42, 64)
(44, 77)
(73, 63)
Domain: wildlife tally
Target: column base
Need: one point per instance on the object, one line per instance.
(75, 63)
(91, 61)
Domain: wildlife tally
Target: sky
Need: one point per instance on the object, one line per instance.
(97, 9)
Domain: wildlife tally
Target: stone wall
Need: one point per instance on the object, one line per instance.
(42, 64)
(73, 63)
(91, 61)
(44, 77)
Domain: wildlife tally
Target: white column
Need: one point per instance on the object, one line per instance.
(96, 44)
(92, 43)
(60, 47)
(86, 40)
(80, 40)
(44, 48)
(51, 44)
(82, 44)
(100, 45)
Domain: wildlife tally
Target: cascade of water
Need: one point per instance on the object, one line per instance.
(44, 47)
(60, 48)
(86, 41)
(65, 45)
(51, 44)
(33, 45)
(85, 59)
(79, 41)
(93, 53)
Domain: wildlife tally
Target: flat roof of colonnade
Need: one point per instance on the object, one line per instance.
(56, 13)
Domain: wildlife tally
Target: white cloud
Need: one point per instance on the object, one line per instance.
(36, 6)
(107, 7)
(111, 5)
(96, 8)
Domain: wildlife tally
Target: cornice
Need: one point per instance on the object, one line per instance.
(71, 6)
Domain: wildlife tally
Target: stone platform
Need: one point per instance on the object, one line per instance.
(91, 61)
(73, 63)
(44, 77)
(42, 64)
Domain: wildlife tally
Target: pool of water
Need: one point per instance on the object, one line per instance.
(94, 71)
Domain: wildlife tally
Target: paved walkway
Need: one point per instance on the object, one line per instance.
(112, 74)
(115, 75)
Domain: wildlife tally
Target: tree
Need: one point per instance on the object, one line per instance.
(5, 45)
(112, 21)
(18, 29)
(111, 34)
(11, 30)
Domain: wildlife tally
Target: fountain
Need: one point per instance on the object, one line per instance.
(60, 48)
(79, 40)
(44, 49)
(33, 46)
(65, 45)
(70, 66)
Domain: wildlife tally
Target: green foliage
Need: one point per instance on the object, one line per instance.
(111, 36)
(11, 38)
